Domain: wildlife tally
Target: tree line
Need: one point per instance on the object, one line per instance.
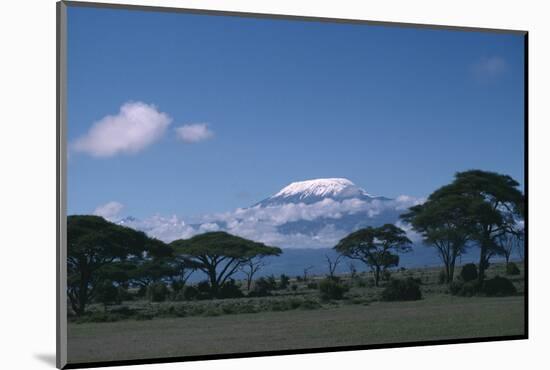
(478, 209)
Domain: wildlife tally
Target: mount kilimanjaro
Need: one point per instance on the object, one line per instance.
(306, 214)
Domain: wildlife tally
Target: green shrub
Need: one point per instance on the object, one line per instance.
(189, 293)
(331, 289)
(230, 290)
(469, 288)
(212, 311)
(263, 287)
(99, 316)
(361, 283)
(498, 286)
(442, 277)
(455, 287)
(294, 287)
(281, 306)
(309, 305)
(465, 288)
(313, 285)
(143, 316)
(469, 272)
(177, 286)
(402, 290)
(284, 281)
(157, 292)
(512, 269)
(124, 294)
(204, 291)
(123, 311)
(107, 293)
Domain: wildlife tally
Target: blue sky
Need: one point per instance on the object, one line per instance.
(267, 102)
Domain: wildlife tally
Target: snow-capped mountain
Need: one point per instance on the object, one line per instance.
(305, 214)
(312, 191)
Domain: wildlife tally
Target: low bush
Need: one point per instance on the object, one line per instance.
(263, 287)
(143, 316)
(309, 304)
(99, 316)
(284, 281)
(331, 289)
(124, 294)
(442, 277)
(204, 291)
(230, 290)
(313, 285)
(123, 311)
(107, 293)
(157, 292)
(498, 286)
(469, 272)
(512, 269)
(465, 288)
(402, 290)
(177, 286)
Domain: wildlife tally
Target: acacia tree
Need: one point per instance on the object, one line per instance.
(183, 268)
(332, 264)
(377, 247)
(93, 244)
(250, 268)
(220, 255)
(510, 241)
(520, 245)
(494, 207)
(443, 224)
(153, 270)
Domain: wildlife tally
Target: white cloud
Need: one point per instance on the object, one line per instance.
(193, 133)
(262, 223)
(109, 210)
(414, 236)
(136, 126)
(163, 228)
(489, 67)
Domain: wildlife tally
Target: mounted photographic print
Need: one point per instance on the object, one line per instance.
(234, 185)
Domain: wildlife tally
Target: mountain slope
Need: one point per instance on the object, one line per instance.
(305, 214)
(312, 191)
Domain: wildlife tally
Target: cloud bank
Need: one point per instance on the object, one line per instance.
(136, 126)
(194, 133)
(262, 223)
(109, 211)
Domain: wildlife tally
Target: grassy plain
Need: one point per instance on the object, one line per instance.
(360, 319)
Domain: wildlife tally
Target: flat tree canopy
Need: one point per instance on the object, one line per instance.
(495, 205)
(444, 224)
(94, 243)
(377, 247)
(219, 254)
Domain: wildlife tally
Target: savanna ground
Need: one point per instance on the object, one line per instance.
(296, 318)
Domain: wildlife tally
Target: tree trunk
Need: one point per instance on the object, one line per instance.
(451, 272)
(213, 282)
(376, 275)
(482, 263)
(447, 273)
(82, 294)
(248, 282)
